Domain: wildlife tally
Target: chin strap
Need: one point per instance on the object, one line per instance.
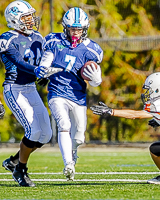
(74, 41)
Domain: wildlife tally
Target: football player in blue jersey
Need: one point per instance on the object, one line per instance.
(151, 101)
(70, 50)
(20, 51)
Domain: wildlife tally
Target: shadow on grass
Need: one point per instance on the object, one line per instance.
(76, 184)
(71, 184)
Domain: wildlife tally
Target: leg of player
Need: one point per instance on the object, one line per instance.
(20, 172)
(60, 109)
(155, 154)
(65, 145)
(33, 116)
(11, 162)
(78, 126)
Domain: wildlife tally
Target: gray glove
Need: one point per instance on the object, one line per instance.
(101, 109)
(2, 111)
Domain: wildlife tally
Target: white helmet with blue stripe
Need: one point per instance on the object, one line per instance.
(15, 11)
(75, 18)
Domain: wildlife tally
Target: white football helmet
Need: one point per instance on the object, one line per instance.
(152, 88)
(15, 11)
(75, 18)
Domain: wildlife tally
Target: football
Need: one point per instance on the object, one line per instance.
(84, 66)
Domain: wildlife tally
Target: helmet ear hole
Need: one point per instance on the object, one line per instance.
(13, 21)
(157, 90)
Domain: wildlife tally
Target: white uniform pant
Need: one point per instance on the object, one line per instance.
(69, 117)
(71, 120)
(28, 108)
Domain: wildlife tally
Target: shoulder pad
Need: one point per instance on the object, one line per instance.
(52, 36)
(95, 49)
(5, 40)
(38, 34)
(50, 39)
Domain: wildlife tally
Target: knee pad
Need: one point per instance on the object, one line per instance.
(28, 143)
(155, 148)
(64, 125)
(76, 143)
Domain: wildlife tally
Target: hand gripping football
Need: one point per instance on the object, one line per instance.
(85, 66)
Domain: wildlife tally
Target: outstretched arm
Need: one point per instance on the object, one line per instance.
(131, 114)
(103, 109)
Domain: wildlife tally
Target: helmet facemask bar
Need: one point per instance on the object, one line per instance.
(146, 95)
(67, 32)
(26, 26)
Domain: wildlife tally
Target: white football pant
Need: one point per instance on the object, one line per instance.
(71, 121)
(28, 108)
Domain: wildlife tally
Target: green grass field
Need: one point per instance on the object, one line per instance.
(105, 173)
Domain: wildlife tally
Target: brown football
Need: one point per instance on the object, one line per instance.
(84, 66)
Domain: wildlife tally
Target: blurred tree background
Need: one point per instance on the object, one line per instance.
(129, 33)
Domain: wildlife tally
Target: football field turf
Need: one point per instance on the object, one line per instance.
(101, 173)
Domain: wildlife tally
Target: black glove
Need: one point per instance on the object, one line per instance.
(43, 81)
(153, 123)
(101, 109)
(2, 111)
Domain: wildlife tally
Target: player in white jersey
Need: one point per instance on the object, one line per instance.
(151, 101)
(20, 51)
(70, 50)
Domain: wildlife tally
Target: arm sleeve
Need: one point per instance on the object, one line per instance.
(47, 59)
(15, 57)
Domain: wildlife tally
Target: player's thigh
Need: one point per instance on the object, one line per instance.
(19, 105)
(41, 126)
(78, 122)
(40, 112)
(60, 111)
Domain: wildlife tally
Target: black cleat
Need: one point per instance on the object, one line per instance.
(155, 180)
(21, 176)
(9, 165)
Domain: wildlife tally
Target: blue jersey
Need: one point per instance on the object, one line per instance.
(20, 54)
(69, 83)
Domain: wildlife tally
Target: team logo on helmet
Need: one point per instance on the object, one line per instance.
(14, 11)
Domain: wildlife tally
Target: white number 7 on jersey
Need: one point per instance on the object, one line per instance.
(70, 60)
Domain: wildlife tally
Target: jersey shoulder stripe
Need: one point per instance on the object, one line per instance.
(6, 38)
(38, 34)
(51, 38)
(94, 48)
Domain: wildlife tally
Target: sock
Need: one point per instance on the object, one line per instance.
(15, 158)
(21, 165)
(65, 145)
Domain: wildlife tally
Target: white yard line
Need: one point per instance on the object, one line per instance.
(87, 173)
(86, 180)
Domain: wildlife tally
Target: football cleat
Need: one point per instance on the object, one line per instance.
(155, 180)
(69, 171)
(74, 155)
(9, 165)
(21, 176)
